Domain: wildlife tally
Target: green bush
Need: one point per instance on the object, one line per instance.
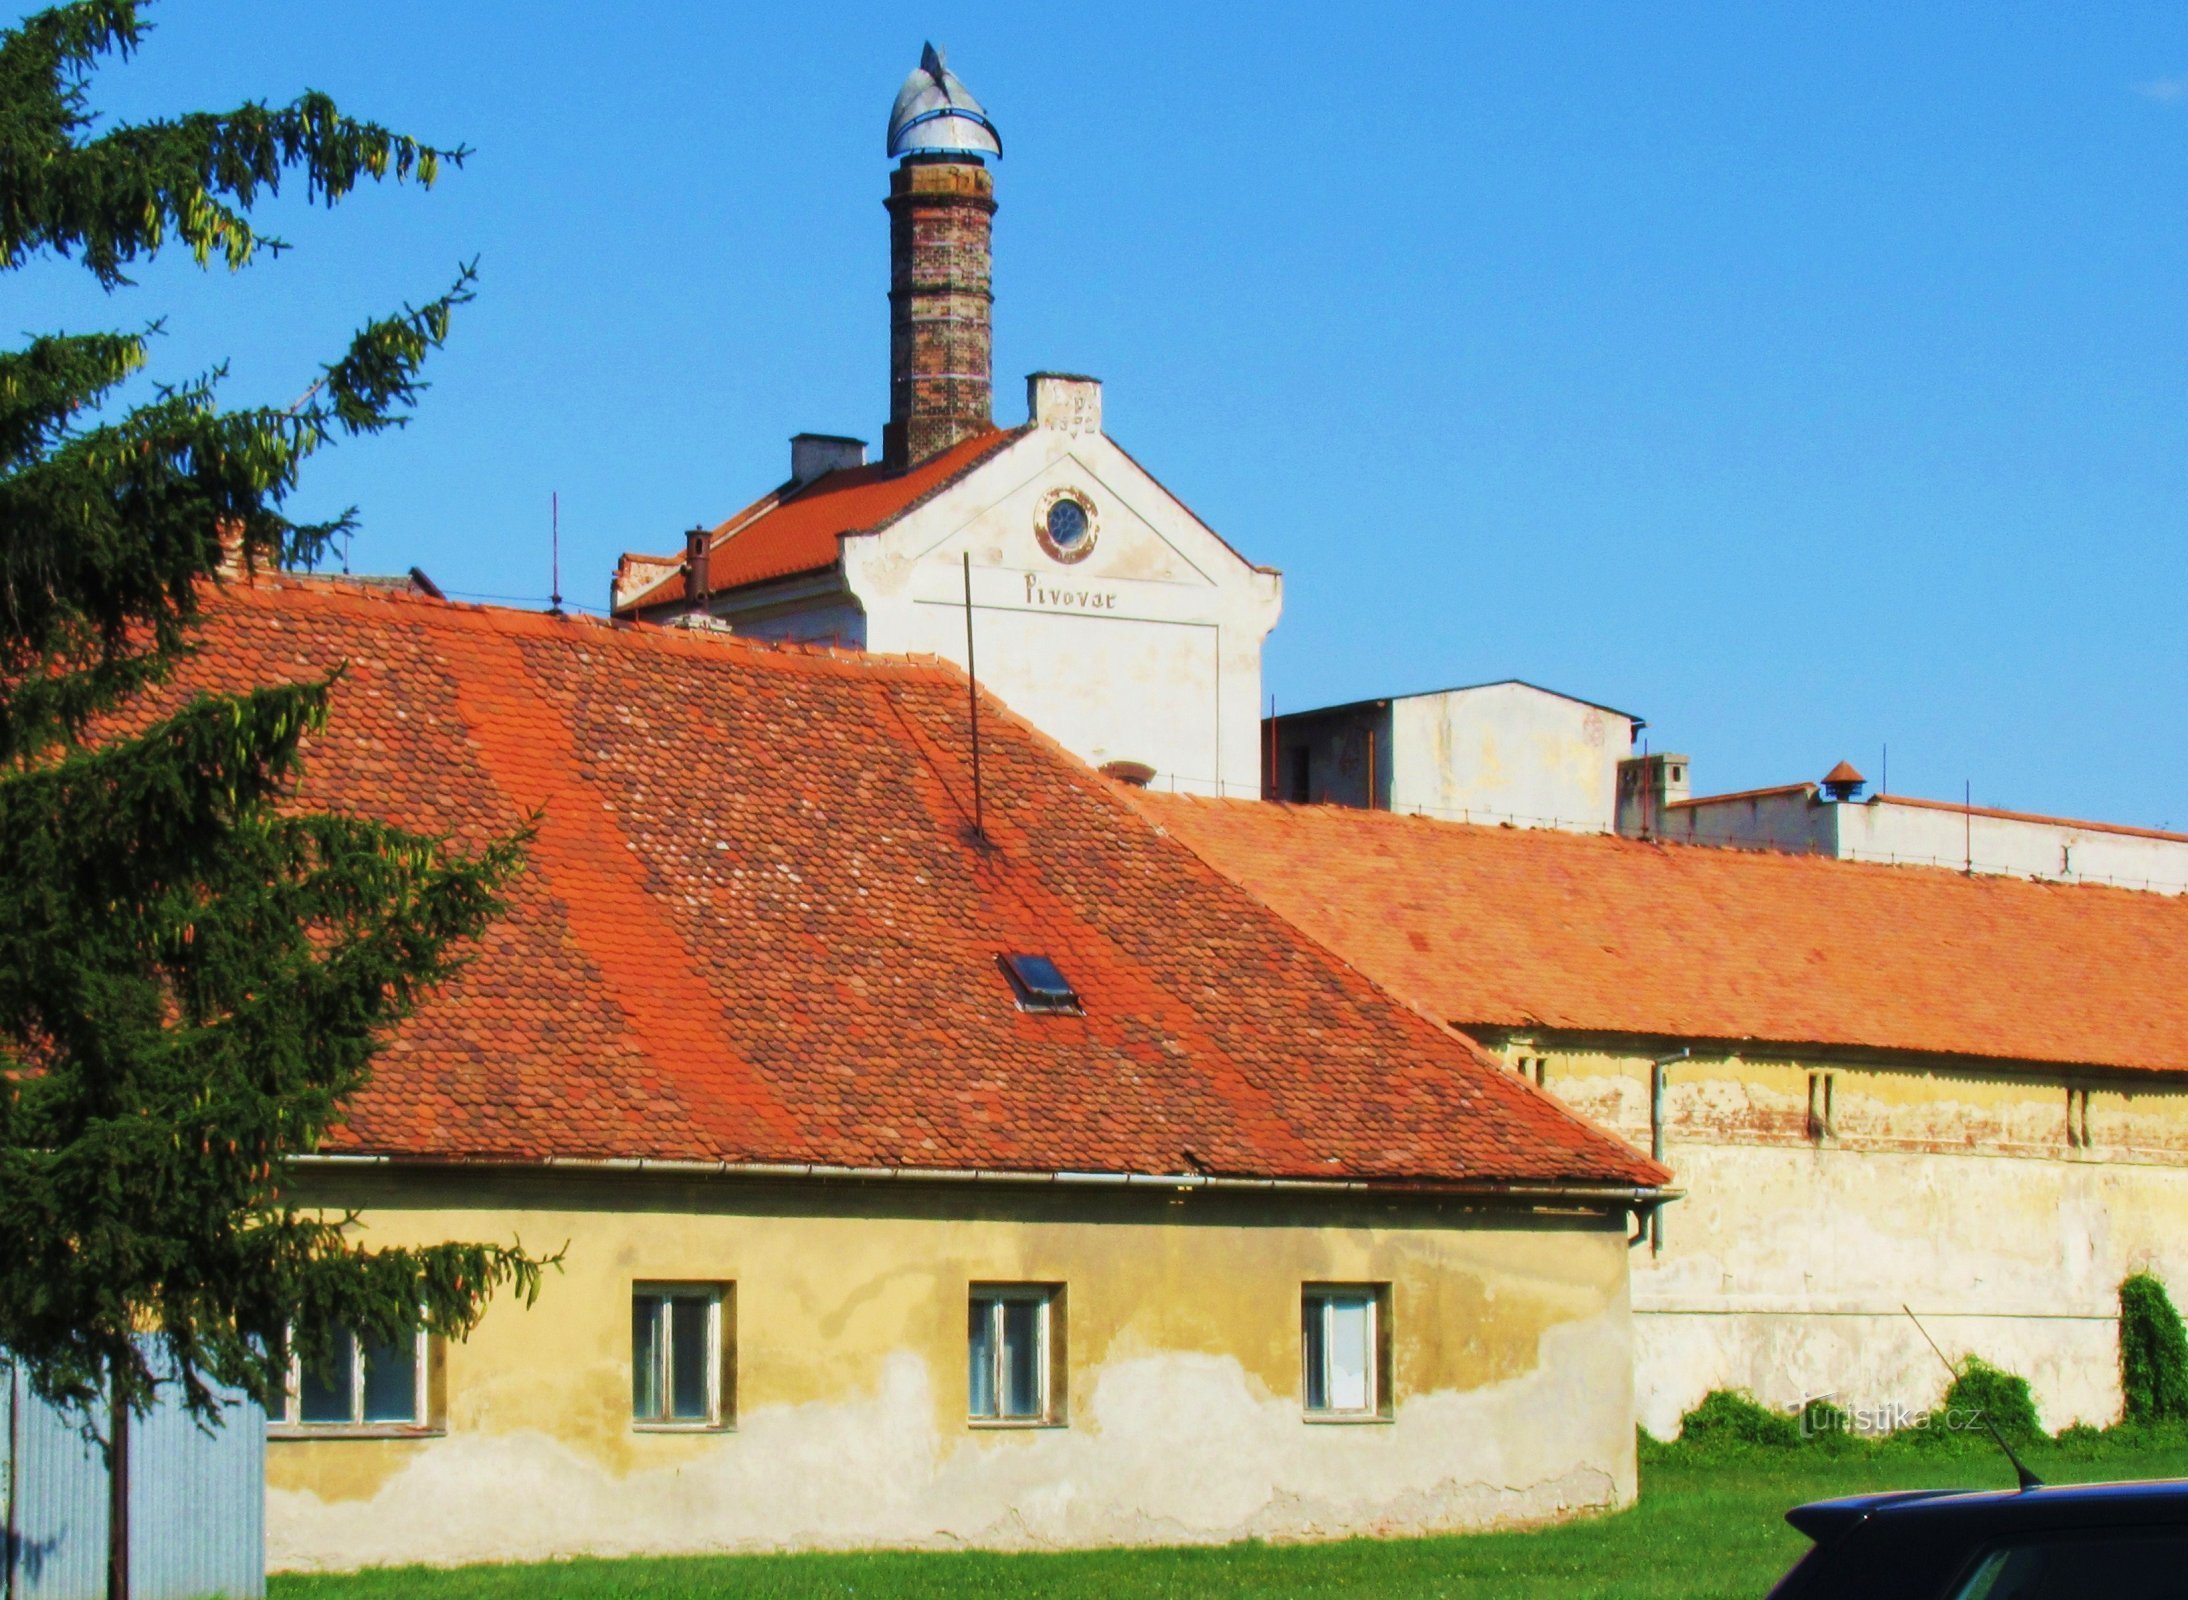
(1733, 1417)
(1820, 1419)
(2153, 1353)
(1998, 1397)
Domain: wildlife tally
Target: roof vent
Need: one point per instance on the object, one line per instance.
(1039, 985)
(697, 558)
(1842, 782)
(814, 455)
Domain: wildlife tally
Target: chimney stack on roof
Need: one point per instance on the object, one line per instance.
(814, 455)
(1646, 785)
(941, 201)
(1064, 401)
(1842, 782)
(696, 560)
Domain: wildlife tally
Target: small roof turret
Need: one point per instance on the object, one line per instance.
(935, 114)
(1843, 782)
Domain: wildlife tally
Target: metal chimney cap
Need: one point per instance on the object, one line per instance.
(936, 114)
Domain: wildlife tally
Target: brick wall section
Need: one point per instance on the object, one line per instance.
(941, 379)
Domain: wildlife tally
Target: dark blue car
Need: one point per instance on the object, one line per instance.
(2099, 1541)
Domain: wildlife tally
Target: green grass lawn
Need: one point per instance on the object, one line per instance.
(1704, 1529)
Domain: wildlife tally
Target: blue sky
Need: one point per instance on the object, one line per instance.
(1804, 379)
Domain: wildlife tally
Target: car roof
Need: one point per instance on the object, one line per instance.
(2055, 1504)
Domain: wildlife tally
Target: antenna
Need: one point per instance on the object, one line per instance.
(1884, 784)
(554, 545)
(972, 698)
(1967, 820)
(2028, 1479)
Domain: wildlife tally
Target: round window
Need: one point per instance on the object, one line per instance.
(1066, 525)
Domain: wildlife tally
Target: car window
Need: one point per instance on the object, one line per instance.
(2118, 1563)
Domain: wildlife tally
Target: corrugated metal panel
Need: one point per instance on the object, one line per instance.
(59, 1532)
(197, 1504)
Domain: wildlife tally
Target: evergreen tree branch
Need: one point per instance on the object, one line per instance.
(196, 970)
(120, 196)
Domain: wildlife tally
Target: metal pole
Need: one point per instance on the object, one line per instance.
(972, 697)
(117, 1493)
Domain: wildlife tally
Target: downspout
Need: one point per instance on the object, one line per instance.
(1659, 1082)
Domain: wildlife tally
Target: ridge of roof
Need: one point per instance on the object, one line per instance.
(799, 528)
(1463, 688)
(278, 592)
(1510, 927)
(754, 927)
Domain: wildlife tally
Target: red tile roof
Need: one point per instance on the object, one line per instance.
(797, 530)
(1530, 928)
(753, 928)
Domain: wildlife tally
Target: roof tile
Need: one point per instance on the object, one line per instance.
(794, 531)
(754, 925)
(1532, 927)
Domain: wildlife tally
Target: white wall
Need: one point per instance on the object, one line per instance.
(1508, 752)
(1148, 649)
(1890, 830)
(1956, 1191)
(1777, 819)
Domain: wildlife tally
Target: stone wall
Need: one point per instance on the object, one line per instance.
(2002, 1203)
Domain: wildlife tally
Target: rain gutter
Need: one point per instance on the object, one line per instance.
(1622, 1195)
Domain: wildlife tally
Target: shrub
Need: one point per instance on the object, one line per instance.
(1998, 1397)
(2153, 1352)
(1820, 1419)
(1733, 1417)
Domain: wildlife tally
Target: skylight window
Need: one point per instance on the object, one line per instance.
(1039, 985)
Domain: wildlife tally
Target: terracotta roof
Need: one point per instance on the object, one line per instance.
(796, 530)
(1844, 772)
(753, 928)
(1510, 927)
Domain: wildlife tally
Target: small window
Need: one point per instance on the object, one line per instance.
(1344, 1346)
(1302, 774)
(368, 1384)
(679, 1355)
(1013, 1336)
(1039, 984)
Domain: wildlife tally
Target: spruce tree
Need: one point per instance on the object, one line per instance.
(195, 971)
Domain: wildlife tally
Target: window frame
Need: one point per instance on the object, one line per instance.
(1050, 1336)
(721, 1300)
(1382, 1396)
(426, 1419)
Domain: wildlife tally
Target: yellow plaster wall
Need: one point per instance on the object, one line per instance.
(1511, 1348)
(1951, 1188)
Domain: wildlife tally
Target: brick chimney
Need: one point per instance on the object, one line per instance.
(941, 374)
(941, 203)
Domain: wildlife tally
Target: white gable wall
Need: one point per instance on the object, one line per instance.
(1508, 752)
(1148, 649)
